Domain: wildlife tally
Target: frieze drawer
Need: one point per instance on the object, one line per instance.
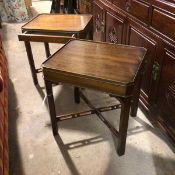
(163, 21)
(138, 9)
(120, 3)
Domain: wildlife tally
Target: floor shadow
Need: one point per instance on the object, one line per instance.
(147, 127)
(164, 166)
(64, 148)
(91, 125)
(150, 161)
(85, 142)
(15, 162)
(144, 162)
(40, 91)
(67, 158)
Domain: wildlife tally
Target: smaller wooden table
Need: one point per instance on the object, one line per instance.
(54, 28)
(114, 69)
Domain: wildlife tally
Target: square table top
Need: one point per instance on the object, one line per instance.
(99, 62)
(58, 23)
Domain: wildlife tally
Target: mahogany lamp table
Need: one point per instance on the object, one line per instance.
(113, 69)
(54, 28)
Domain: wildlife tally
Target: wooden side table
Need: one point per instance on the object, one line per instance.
(53, 28)
(114, 69)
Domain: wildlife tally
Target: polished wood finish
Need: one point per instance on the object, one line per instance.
(110, 68)
(149, 24)
(44, 38)
(54, 28)
(58, 23)
(116, 65)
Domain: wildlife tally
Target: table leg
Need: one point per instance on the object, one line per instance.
(90, 31)
(76, 95)
(136, 95)
(90, 35)
(31, 62)
(46, 45)
(51, 105)
(123, 126)
(76, 89)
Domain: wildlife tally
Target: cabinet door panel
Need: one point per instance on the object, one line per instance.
(120, 3)
(166, 96)
(164, 23)
(98, 23)
(138, 9)
(138, 37)
(114, 28)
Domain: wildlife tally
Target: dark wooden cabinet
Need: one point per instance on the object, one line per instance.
(166, 93)
(150, 24)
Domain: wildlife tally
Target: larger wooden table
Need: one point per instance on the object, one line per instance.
(53, 28)
(114, 69)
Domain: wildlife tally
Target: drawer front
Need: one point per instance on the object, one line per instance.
(163, 19)
(120, 3)
(138, 9)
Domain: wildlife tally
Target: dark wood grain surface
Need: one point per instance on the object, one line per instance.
(101, 66)
(114, 63)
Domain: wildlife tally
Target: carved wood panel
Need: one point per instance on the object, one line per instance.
(98, 23)
(114, 28)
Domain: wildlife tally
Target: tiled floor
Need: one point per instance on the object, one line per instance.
(88, 145)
